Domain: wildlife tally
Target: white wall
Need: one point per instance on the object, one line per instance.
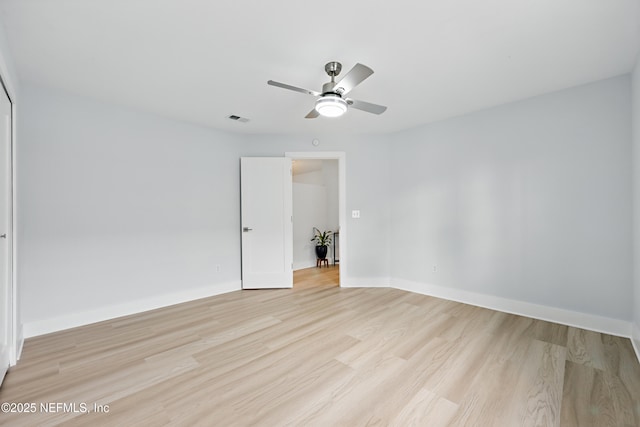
(636, 202)
(120, 211)
(325, 175)
(309, 210)
(529, 202)
(314, 177)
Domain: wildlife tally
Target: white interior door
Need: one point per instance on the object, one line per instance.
(5, 221)
(267, 228)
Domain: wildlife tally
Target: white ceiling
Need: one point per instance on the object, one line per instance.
(302, 166)
(202, 60)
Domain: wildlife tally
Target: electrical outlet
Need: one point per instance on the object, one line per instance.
(435, 268)
(355, 214)
(218, 268)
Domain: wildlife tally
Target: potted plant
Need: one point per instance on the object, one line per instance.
(323, 240)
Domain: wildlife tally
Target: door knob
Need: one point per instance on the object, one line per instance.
(4, 236)
(245, 229)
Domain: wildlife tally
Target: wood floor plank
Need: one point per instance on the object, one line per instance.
(540, 385)
(465, 361)
(322, 356)
(586, 348)
(426, 409)
(587, 399)
(413, 376)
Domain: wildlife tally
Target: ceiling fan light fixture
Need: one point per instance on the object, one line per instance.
(331, 105)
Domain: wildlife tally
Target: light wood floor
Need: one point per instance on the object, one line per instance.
(328, 356)
(317, 277)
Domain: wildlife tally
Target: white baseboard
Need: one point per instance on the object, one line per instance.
(592, 322)
(19, 344)
(41, 327)
(365, 282)
(19, 351)
(303, 265)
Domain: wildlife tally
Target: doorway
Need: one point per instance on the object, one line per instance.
(318, 201)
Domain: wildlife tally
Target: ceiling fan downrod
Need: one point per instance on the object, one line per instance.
(332, 68)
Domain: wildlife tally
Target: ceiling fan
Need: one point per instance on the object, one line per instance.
(331, 101)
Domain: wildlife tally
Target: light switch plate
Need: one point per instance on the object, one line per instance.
(355, 214)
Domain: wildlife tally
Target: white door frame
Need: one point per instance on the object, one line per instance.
(16, 332)
(15, 338)
(342, 197)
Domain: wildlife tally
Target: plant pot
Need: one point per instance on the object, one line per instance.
(321, 252)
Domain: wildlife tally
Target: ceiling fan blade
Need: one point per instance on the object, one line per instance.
(312, 114)
(293, 88)
(353, 78)
(366, 106)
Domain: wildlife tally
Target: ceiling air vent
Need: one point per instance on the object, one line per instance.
(238, 118)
